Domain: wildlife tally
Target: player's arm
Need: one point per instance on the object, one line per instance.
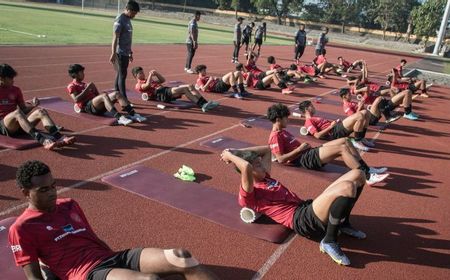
(28, 106)
(265, 154)
(265, 31)
(292, 154)
(243, 166)
(115, 39)
(205, 86)
(321, 134)
(77, 96)
(158, 76)
(33, 271)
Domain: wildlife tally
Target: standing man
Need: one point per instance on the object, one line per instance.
(237, 40)
(121, 53)
(247, 36)
(191, 41)
(260, 32)
(300, 42)
(322, 41)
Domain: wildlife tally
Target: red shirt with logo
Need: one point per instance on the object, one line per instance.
(201, 81)
(76, 88)
(62, 239)
(308, 69)
(252, 81)
(282, 142)
(320, 59)
(10, 98)
(272, 199)
(350, 107)
(150, 91)
(251, 67)
(316, 124)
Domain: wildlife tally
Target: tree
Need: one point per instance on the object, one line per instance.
(340, 11)
(279, 8)
(223, 4)
(427, 18)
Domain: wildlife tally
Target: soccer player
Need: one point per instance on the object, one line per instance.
(288, 150)
(260, 32)
(324, 217)
(88, 99)
(153, 86)
(322, 128)
(237, 40)
(121, 54)
(399, 82)
(232, 79)
(19, 116)
(324, 66)
(300, 42)
(192, 41)
(347, 66)
(247, 35)
(56, 232)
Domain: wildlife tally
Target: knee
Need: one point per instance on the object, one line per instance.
(347, 189)
(181, 258)
(42, 112)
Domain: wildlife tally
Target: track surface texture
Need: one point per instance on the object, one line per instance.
(406, 218)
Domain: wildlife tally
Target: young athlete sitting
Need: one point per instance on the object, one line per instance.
(422, 85)
(260, 79)
(290, 74)
(348, 67)
(153, 86)
(376, 109)
(57, 233)
(324, 66)
(322, 128)
(399, 83)
(288, 150)
(89, 100)
(14, 111)
(324, 217)
(232, 79)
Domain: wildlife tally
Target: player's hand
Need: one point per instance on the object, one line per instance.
(224, 156)
(195, 45)
(333, 123)
(112, 58)
(304, 146)
(35, 102)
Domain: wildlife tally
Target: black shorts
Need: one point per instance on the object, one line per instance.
(4, 130)
(306, 223)
(90, 109)
(128, 259)
(258, 41)
(309, 159)
(245, 40)
(373, 119)
(339, 131)
(260, 85)
(221, 87)
(164, 94)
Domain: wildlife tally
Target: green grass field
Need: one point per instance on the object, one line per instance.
(65, 25)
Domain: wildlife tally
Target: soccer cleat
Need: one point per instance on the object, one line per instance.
(376, 178)
(411, 116)
(360, 146)
(351, 231)
(367, 143)
(377, 170)
(124, 121)
(334, 251)
(237, 95)
(209, 105)
(138, 118)
(190, 71)
(393, 118)
(66, 140)
(245, 93)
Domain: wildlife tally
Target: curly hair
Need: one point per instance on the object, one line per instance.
(28, 170)
(74, 69)
(6, 71)
(248, 156)
(303, 105)
(277, 111)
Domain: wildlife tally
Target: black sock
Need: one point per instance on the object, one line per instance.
(408, 109)
(129, 110)
(116, 114)
(339, 209)
(53, 131)
(358, 193)
(234, 87)
(37, 135)
(241, 87)
(282, 85)
(201, 101)
(364, 132)
(364, 167)
(359, 135)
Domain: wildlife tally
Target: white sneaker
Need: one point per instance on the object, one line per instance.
(185, 69)
(237, 95)
(124, 120)
(376, 178)
(190, 71)
(358, 145)
(367, 143)
(377, 170)
(138, 118)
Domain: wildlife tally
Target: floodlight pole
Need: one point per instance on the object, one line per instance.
(443, 29)
(82, 6)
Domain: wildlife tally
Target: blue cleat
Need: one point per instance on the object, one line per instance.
(334, 251)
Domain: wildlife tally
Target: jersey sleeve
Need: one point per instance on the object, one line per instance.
(138, 87)
(22, 246)
(312, 129)
(349, 109)
(117, 27)
(246, 199)
(20, 99)
(276, 146)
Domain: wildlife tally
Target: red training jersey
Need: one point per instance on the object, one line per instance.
(345, 64)
(282, 142)
(320, 59)
(252, 81)
(308, 69)
(150, 91)
(350, 107)
(201, 81)
(272, 199)
(252, 68)
(62, 239)
(76, 88)
(316, 124)
(275, 66)
(10, 98)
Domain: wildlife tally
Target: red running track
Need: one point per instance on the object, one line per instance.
(406, 219)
